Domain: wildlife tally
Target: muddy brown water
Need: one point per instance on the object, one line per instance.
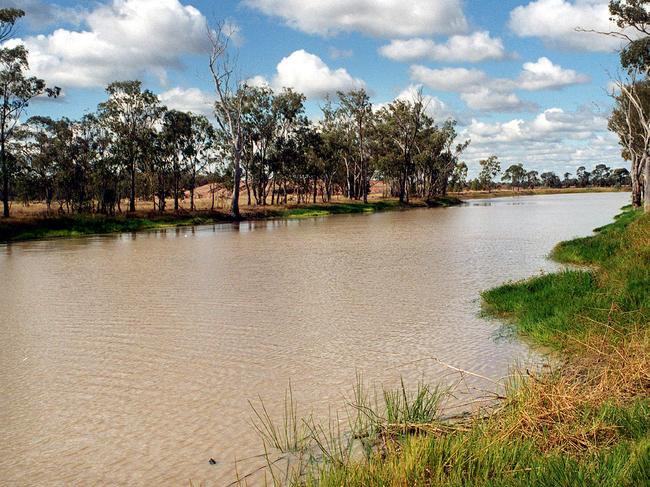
(130, 359)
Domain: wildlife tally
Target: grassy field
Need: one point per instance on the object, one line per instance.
(585, 421)
(71, 226)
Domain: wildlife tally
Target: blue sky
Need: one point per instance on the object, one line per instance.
(522, 83)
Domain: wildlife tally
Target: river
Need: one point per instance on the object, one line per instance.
(130, 359)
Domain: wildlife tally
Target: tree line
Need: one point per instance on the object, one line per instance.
(259, 144)
(518, 177)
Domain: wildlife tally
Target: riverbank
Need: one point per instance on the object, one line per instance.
(501, 193)
(71, 226)
(583, 422)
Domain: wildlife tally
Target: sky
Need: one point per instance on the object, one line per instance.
(521, 79)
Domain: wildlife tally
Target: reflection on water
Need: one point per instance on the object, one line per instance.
(130, 359)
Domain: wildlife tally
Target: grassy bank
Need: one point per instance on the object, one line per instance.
(71, 226)
(582, 422)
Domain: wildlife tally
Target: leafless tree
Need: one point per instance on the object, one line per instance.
(631, 122)
(228, 108)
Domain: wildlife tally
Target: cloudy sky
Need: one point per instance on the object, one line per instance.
(521, 81)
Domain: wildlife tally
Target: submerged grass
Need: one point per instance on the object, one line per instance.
(583, 422)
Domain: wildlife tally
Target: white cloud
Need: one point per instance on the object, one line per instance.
(476, 89)
(258, 81)
(480, 92)
(385, 18)
(449, 79)
(124, 39)
(435, 107)
(487, 99)
(40, 14)
(556, 21)
(340, 53)
(544, 75)
(554, 139)
(308, 74)
(462, 48)
(188, 100)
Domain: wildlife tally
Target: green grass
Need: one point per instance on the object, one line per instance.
(84, 225)
(325, 209)
(585, 422)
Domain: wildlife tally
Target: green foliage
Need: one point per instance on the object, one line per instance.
(550, 307)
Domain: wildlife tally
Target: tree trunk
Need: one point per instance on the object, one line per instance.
(5, 181)
(636, 184)
(132, 195)
(234, 207)
(646, 186)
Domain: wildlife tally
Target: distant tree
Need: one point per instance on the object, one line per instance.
(490, 168)
(620, 177)
(532, 179)
(600, 175)
(583, 177)
(458, 180)
(130, 114)
(514, 175)
(550, 180)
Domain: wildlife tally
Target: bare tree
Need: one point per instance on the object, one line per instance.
(229, 105)
(631, 122)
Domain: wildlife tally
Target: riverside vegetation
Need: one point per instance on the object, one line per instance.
(583, 421)
(73, 225)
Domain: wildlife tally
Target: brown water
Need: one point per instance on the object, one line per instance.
(130, 359)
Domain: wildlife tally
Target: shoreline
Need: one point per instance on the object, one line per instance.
(40, 227)
(585, 421)
(22, 229)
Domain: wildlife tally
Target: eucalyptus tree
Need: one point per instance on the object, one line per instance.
(333, 150)
(201, 150)
(514, 175)
(532, 179)
(260, 126)
(130, 114)
(438, 155)
(8, 19)
(458, 180)
(356, 108)
(177, 137)
(630, 118)
(229, 104)
(16, 91)
(490, 168)
(398, 126)
(290, 141)
(40, 158)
